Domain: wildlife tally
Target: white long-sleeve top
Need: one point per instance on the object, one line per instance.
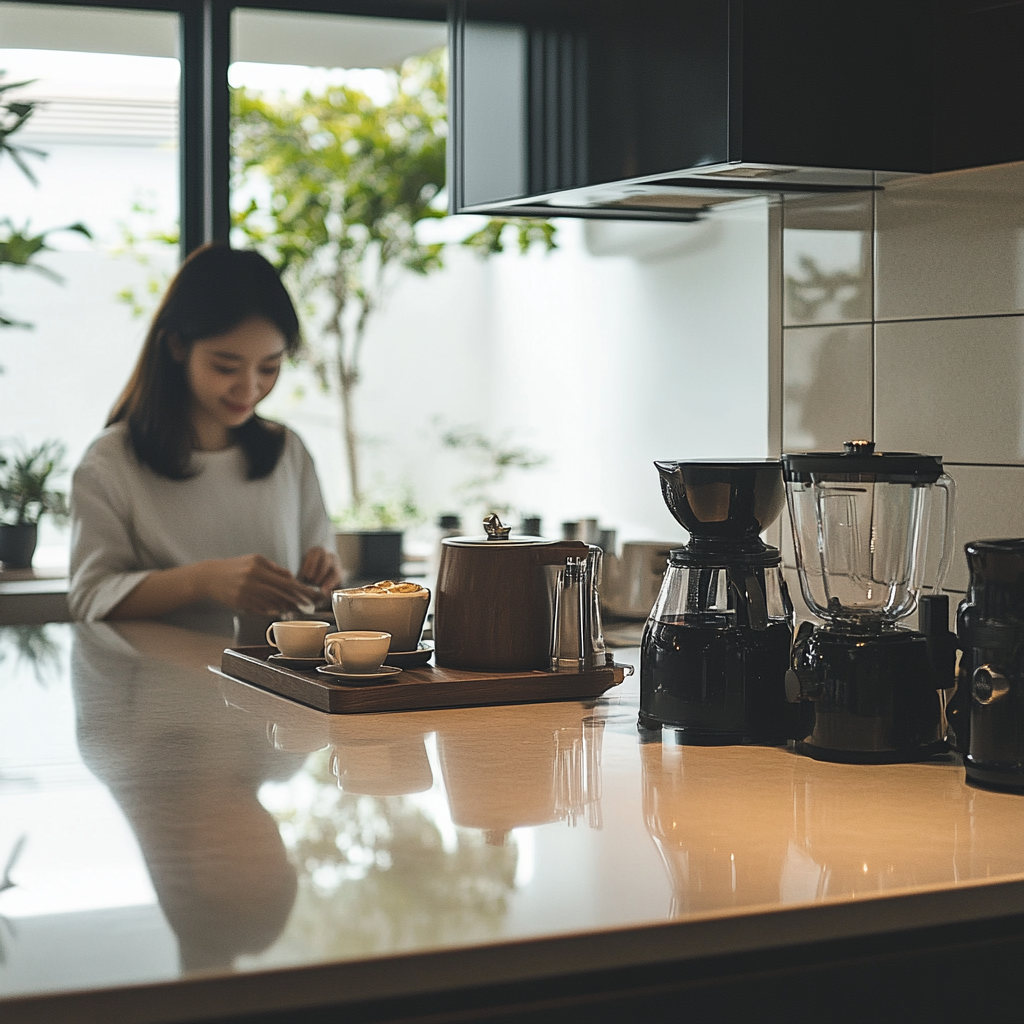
(127, 520)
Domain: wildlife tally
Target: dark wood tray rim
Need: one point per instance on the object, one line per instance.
(417, 689)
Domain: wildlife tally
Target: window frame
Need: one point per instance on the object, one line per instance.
(204, 120)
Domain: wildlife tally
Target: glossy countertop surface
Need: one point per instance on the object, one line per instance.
(164, 824)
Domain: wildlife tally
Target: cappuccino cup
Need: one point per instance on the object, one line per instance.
(301, 638)
(357, 651)
(398, 609)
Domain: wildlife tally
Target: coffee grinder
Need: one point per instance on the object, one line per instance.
(987, 712)
(860, 528)
(715, 649)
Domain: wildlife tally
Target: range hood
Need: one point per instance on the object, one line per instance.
(662, 109)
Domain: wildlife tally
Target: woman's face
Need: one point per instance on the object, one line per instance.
(229, 375)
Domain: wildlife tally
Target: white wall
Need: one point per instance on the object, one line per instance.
(602, 363)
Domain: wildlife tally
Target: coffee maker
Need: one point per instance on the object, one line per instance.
(716, 646)
(986, 711)
(860, 528)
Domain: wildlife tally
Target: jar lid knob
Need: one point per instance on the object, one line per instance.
(494, 528)
(859, 447)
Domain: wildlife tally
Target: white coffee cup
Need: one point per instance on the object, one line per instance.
(301, 638)
(357, 650)
(399, 614)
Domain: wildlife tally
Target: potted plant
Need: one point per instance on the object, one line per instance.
(25, 497)
(369, 538)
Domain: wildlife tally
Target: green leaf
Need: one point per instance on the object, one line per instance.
(23, 484)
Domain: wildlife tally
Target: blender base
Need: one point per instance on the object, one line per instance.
(1005, 777)
(874, 697)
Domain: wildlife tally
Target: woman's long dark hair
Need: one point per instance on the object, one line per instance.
(216, 289)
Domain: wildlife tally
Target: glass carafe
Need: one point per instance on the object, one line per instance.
(861, 522)
(722, 597)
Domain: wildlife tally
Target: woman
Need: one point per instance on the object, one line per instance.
(189, 501)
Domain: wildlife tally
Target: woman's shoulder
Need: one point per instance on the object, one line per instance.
(294, 449)
(111, 448)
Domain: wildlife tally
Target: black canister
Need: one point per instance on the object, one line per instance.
(986, 712)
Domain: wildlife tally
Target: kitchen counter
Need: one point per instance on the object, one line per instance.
(186, 847)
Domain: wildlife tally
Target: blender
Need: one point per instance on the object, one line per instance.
(860, 528)
(715, 648)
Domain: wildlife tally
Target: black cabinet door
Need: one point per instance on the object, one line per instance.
(553, 96)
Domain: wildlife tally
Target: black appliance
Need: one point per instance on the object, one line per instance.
(715, 649)
(987, 712)
(659, 109)
(860, 529)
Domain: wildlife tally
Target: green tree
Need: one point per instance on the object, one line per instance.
(348, 182)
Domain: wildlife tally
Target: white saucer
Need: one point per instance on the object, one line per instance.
(287, 659)
(339, 673)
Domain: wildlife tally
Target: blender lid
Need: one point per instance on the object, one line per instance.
(859, 459)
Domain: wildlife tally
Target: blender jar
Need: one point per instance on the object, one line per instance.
(860, 528)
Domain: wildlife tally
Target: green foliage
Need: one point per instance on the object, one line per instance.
(18, 248)
(488, 240)
(34, 646)
(24, 495)
(384, 512)
(13, 116)
(349, 182)
(139, 241)
(493, 457)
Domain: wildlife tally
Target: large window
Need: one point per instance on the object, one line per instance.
(99, 151)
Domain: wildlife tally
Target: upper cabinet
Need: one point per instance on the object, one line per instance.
(661, 108)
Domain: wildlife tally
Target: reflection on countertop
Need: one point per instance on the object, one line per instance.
(272, 835)
(758, 826)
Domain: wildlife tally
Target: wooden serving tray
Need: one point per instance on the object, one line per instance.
(416, 689)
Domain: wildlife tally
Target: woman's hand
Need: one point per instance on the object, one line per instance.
(253, 583)
(248, 583)
(320, 567)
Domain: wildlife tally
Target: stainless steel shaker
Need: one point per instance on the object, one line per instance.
(577, 637)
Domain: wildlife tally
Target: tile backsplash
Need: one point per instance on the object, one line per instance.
(903, 322)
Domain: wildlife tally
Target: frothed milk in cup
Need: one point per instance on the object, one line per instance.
(395, 608)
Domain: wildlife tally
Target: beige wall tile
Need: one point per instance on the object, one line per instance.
(826, 373)
(951, 244)
(827, 259)
(953, 388)
(989, 504)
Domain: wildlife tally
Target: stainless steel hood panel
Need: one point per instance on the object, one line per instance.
(684, 196)
(658, 109)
